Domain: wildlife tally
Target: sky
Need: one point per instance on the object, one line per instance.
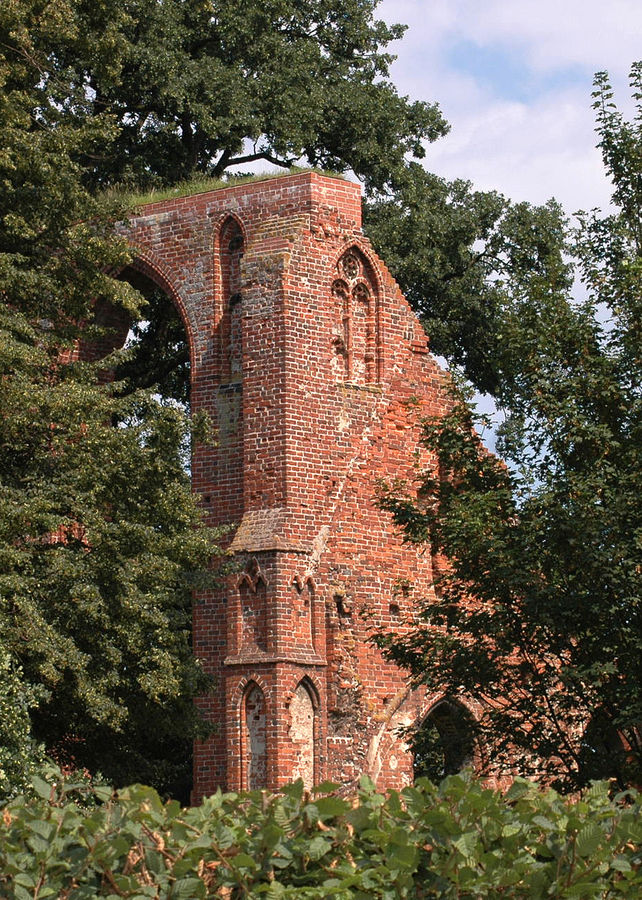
(514, 79)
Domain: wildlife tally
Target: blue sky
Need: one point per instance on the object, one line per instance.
(513, 78)
(500, 70)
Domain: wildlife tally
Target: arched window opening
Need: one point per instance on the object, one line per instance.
(341, 340)
(153, 352)
(157, 346)
(253, 615)
(254, 738)
(302, 727)
(231, 249)
(444, 743)
(302, 613)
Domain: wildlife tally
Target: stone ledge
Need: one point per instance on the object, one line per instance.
(263, 658)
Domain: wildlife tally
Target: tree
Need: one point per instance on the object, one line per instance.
(100, 537)
(204, 86)
(20, 757)
(459, 255)
(539, 614)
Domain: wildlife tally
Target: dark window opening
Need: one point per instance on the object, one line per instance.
(444, 743)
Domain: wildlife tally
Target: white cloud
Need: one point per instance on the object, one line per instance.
(558, 32)
(529, 152)
(549, 33)
(529, 148)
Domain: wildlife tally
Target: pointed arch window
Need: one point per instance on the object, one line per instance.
(254, 738)
(444, 743)
(302, 734)
(253, 614)
(231, 249)
(355, 333)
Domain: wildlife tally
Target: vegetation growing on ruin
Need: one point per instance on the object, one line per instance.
(201, 184)
(101, 542)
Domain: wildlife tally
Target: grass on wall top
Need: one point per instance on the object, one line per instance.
(201, 184)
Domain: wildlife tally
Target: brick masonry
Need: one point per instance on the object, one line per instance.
(314, 370)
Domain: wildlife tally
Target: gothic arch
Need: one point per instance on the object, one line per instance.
(300, 582)
(253, 613)
(444, 739)
(229, 247)
(363, 250)
(311, 684)
(239, 690)
(117, 321)
(145, 263)
(304, 612)
(605, 750)
(356, 293)
(304, 731)
(220, 225)
(253, 718)
(252, 583)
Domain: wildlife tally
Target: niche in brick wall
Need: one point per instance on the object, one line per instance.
(253, 614)
(303, 613)
(254, 738)
(355, 313)
(302, 734)
(231, 246)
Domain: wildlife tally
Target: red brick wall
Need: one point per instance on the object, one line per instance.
(314, 378)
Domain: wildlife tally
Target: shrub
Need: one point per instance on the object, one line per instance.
(456, 840)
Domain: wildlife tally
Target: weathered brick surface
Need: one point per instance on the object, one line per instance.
(314, 370)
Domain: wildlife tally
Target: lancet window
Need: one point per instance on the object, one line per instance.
(231, 247)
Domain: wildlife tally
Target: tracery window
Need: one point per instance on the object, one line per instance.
(355, 320)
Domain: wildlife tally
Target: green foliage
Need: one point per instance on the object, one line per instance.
(540, 614)
(458, 840)
(99, 555)
(462, 257)
(101, 541)
(157, 354)
(200, 87)
(20, 758)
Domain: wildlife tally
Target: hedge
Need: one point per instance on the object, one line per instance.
(455, 840)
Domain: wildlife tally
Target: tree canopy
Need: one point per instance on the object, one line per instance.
(195, 86)
(539, 612)
(461, 257)
(100, 544)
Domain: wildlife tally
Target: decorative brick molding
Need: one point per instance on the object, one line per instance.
(315, 372)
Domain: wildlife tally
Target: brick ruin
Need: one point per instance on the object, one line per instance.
(314, 370)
